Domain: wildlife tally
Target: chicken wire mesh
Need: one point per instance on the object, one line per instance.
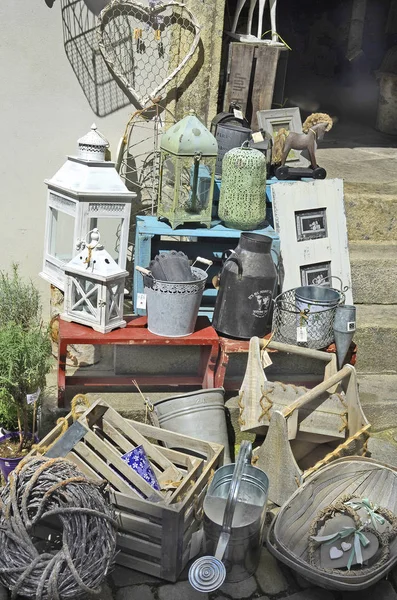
(146, 47)
(80, 38)
(310, 328)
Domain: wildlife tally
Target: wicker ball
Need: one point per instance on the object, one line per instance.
(57, 531)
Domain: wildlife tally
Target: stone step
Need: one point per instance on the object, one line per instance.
(371, 211)
(374, 272)
(376, 338)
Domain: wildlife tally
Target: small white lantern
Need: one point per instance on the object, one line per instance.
(94, 288)
(86, 192)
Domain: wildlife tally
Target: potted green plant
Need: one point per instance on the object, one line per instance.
(25, 360)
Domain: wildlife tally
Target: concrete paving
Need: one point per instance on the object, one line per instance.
(374, 272)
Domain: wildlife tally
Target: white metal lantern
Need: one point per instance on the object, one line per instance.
(86, 192)
(94, 288)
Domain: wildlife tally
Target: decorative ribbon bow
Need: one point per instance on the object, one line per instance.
(371, 509)
(359, 540)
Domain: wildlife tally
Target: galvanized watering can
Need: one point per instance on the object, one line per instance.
(234, 518)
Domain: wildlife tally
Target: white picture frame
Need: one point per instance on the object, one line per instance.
(290, 118)
(308, 260)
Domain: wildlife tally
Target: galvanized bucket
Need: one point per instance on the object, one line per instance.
(172, 306)
(344, 329)
(199, 414)
(234, 519)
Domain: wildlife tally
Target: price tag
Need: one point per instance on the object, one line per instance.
(30, 398)
(301, 334)
(265, 358)
(141, 300)
(257, 137)
(238, 114)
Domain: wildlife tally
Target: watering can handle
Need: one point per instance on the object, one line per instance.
(244, 457)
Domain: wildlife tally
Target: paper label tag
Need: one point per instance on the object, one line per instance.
(266, 360)
(141, 300)
(301, 334)
(257, 137)
(30, 398)
(196, 543)
(351, 326)
(238, 114)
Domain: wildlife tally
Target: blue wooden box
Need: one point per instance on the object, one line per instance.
(154, 236)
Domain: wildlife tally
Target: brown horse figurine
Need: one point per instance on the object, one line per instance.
(314, 129)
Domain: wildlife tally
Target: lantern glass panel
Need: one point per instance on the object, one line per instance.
(84, 297)
(195, 184)
(110, 233)
(61, 235)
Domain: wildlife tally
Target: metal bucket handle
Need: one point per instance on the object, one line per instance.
(244, 457)
(342, 289)
(205, 261)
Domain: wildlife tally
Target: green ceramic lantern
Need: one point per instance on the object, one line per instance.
(187, 171)
(242, 202)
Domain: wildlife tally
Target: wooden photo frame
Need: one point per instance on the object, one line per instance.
(289, 118)
(310, 219)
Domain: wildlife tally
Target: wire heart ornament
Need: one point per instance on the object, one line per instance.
(143, 45)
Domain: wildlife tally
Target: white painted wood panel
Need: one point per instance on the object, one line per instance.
(321, 197)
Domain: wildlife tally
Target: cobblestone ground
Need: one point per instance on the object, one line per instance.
(272, 581)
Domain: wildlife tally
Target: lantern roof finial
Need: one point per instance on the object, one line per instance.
(92, 146)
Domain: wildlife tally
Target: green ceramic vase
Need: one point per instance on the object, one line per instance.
(242, 202)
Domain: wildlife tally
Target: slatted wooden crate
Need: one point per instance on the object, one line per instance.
(155, 534)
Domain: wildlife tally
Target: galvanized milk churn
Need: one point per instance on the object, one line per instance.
(234, 519)
(247, 285)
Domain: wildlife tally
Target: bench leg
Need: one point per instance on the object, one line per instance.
(62, 354)
(208, 360)
(221, 368)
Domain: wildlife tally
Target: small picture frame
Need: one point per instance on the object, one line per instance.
(318, 274)
(290, 119)
(311, 224)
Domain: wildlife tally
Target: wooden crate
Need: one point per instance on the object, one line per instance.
(155, 535)
(251, 78)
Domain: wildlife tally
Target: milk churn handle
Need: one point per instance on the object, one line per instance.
(244, 457)
(234, 258)
(278, 259)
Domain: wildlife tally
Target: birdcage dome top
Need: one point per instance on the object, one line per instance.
(92, 146)
(188, 137)
(94, 261)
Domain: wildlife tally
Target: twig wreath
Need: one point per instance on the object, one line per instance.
(52, 495)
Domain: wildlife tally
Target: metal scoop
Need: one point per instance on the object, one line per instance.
(208, 573)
